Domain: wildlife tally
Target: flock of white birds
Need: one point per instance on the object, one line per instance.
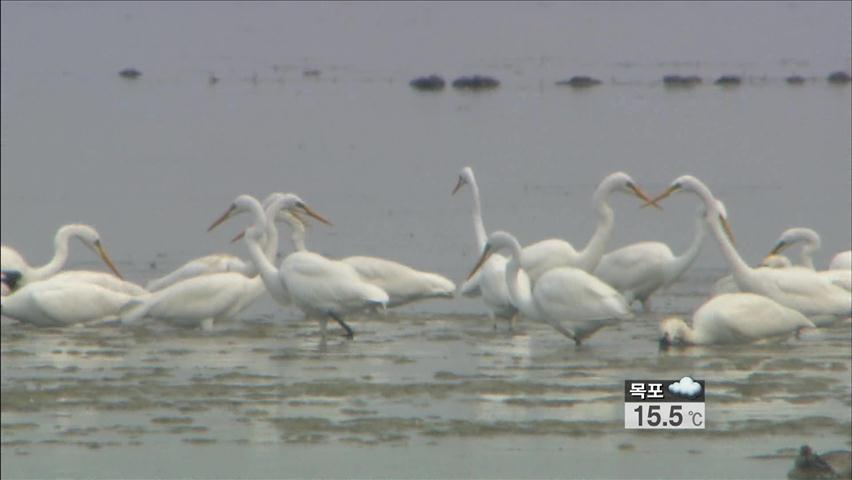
(576, 291)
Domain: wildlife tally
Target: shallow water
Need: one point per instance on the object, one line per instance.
(414, 395)
(431, 390)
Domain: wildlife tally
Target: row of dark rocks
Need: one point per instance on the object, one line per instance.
(484, 82)
(481, 82)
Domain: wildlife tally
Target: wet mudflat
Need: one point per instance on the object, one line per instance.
(414, 395)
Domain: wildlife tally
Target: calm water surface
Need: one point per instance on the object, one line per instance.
(432, 390)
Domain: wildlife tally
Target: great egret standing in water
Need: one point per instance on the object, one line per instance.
(570, 300)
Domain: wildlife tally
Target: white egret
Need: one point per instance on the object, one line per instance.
(205, 299)
(841, 261)
(58, 303)
(213, 263)
(811, 243)
(402, 283)
(320, 287)
(734, 318)
(490, 280)
(570, 300)
(546, 254)
(796, 288)
(10, 259)
(640, 269)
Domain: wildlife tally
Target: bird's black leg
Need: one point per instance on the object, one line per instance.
(349, 333)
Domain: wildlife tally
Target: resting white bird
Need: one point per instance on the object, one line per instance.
(796, 288)
(58, 303)
(841, 261)
(640, 269)
(11, 260)
(213, 263)
(734, 318)
(552, 253)
(490, 280)
(811, 242)
(205, 299)
(570, 300)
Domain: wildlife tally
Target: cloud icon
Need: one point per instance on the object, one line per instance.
(685, 387)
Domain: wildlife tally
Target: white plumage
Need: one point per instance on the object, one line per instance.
(797, 288)
(11, 260)
(734, 318)
(60, 303)
(572, 301)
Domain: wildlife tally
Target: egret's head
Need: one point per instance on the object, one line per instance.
(672, 332)
(465, 178)
(792, 236)
(496, 242)
(92, 240)
(241, 204)
(624, 183)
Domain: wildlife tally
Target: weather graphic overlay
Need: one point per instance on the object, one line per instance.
(664, 404)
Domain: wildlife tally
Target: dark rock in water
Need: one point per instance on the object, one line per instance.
(795, 80)
(729, 80)
(476, 82)
(810, 466)
(579, 81)
(681, 80)
(432, 83)
(312, 72)
(839, 78)
(130, 73)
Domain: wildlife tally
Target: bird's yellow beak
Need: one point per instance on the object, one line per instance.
(486, 253)
(661, 196)
(238, 237)
(309, 211)
(727, 227)
(105, 257)
(225, 216)
(642, 196)
(459, 184)
(781, 246)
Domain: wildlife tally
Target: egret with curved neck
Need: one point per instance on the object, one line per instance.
(11, 260)
(796, 288)
(552, 253)
(570, 300)
(490, 280)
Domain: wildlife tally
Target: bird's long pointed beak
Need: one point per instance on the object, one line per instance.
(661, 196)
(727, 227)
(486, 253)
(105, 257)
(225, 216)
(308, 210)
(238, 237)
(458, 186)
(779, 247)
(639, 193)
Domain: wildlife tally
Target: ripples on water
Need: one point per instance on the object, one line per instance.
(410, 379)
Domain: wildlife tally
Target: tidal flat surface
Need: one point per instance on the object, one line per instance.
(413, 395)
